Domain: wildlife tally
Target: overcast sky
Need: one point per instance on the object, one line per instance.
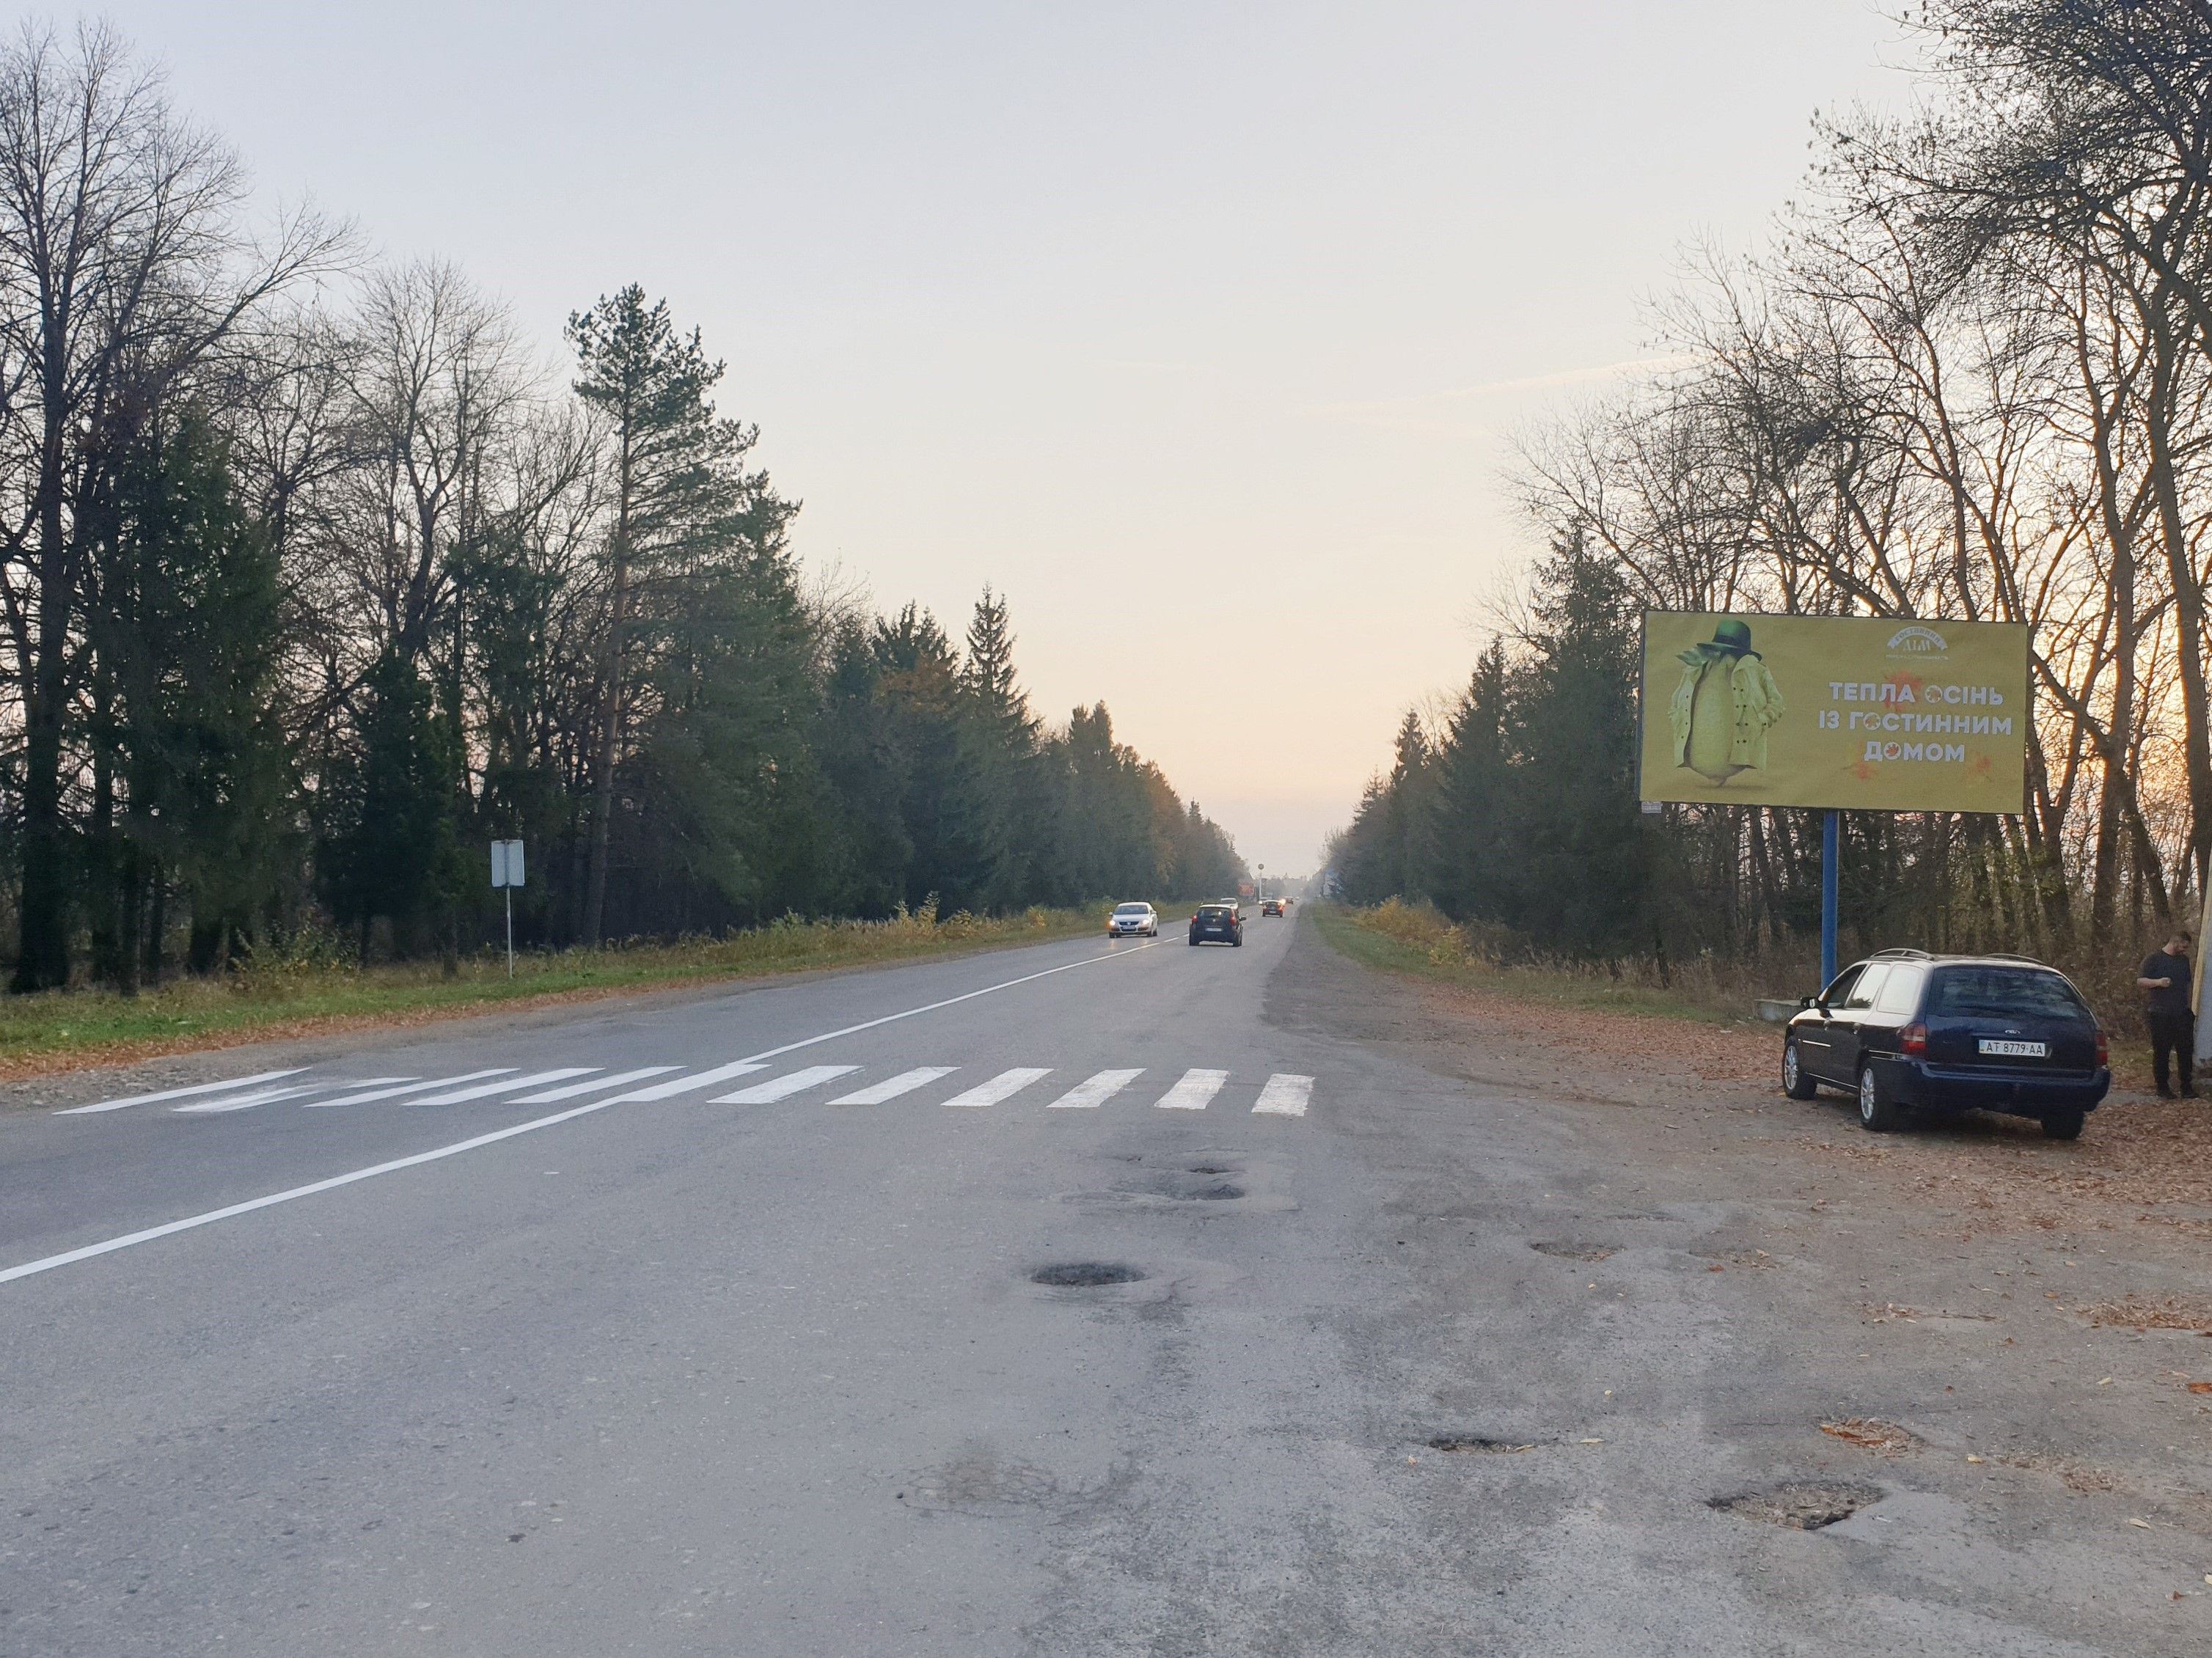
(1200, 330)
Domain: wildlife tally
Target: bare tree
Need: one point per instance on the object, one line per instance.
(125, 264)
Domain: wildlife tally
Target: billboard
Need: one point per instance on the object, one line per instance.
(1868, 713)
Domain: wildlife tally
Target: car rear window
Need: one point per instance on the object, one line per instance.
(1215, 910)
(2004, 990)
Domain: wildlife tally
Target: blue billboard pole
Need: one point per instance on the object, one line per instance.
(1829, 826)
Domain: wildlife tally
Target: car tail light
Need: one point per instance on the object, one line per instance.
(2104, 1047)
(1913, 1039)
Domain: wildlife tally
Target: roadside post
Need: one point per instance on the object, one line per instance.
(1831, 833)
(506, 875)
(1835, 713)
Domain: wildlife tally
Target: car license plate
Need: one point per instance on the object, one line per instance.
(2011, 1050)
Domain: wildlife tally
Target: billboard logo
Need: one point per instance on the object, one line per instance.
(1916, 642)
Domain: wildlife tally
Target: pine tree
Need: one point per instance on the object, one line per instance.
(1001, 742)
(1581, 884)
(680, 496)
(1471, 867)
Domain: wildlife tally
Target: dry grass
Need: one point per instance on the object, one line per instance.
(2141, 1313)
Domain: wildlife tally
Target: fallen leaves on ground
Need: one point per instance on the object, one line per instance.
(2142, 1313)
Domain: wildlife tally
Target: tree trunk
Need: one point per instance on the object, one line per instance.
(157, 921)
(2188, 603)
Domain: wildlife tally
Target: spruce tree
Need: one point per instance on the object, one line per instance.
(679, 495)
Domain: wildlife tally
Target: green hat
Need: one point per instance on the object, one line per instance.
(1733, 635)
(1731, 639)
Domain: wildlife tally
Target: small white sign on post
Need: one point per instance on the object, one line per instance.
(506, 873)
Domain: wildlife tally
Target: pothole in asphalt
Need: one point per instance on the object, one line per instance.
(1478, 1445)
(1569, 1249)
(1220, 1193)
(1206, 1169)
(1801, 1504)
(1084, 1274)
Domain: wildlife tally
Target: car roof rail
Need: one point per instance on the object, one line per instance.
(1902, 950)
(2015, 956)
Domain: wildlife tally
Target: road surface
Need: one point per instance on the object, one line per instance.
(710, 1326)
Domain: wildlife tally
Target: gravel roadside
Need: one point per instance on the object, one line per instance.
(2006, 1336)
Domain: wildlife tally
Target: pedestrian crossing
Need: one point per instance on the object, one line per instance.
(1280, 1094)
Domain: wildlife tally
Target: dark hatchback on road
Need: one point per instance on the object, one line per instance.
(1907, 1030)
(1224, 923)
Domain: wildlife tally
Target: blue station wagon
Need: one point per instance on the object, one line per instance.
(1907, 1031)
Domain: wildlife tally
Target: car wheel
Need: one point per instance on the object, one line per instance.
(1878, 1108)
(1797, 1082)
(2064, 1124)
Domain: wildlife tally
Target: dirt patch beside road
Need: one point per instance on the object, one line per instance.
(2142, 1159)
(1750, 1298)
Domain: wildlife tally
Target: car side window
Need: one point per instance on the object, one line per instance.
(1901, 993)
(1868, 987)
(1840, 986)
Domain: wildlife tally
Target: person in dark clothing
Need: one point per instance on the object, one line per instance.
(2165, 977)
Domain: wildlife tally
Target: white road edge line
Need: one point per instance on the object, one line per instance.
(90, 1250)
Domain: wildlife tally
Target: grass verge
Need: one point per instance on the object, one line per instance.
(66, 1030)
(1417, 941)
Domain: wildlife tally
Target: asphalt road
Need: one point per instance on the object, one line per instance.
(754, 1363)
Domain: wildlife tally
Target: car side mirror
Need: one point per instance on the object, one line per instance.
(1808, 1001)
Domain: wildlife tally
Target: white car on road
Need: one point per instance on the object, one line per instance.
(1128, 919)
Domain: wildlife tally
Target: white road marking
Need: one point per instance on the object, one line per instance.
(1094, 1092)
(690, 1085)
(505, 1085)
(179, 1093)
(263, 1095)
(109, 1246)
(1194, 1092)
(411, 1088)
(1285, 1095)
(905, 1083)
(1002, 1086)
(782, 1088)
(553, 1095)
